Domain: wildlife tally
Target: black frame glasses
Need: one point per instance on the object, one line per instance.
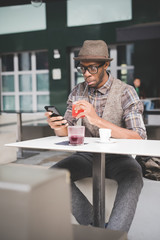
(91, 68)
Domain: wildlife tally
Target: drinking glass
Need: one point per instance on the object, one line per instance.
(76, 135)
(75, 99)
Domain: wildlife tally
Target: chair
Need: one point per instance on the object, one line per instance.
(35, 204)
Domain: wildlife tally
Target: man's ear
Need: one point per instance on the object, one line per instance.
(106, 65)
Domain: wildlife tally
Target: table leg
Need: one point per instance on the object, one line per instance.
(19, 134)
(99, 190)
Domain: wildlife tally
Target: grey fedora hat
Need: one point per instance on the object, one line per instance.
(93, 50)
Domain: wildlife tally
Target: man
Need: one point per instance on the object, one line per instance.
(148, 104)
(111, 104)
(138, 87)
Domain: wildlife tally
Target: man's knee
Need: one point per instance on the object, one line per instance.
(131, 177)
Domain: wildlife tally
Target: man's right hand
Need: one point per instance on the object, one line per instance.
(58, 123)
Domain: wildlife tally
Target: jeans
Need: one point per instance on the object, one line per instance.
(122, 168)
(148, 105)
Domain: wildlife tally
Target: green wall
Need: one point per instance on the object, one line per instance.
(59, 36)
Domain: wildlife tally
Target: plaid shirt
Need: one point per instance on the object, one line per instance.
(130, 102)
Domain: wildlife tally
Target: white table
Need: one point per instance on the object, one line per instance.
(116, 146)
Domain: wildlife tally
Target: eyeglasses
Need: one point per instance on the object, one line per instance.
(91, 69)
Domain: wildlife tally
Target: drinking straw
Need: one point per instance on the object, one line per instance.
(85, 89)
(80, 120)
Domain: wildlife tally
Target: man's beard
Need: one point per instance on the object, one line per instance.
(100, 79)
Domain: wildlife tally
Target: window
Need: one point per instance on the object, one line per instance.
(8, 83)
(125, 63)
(24, 61)
(7, 63)
(25, 81)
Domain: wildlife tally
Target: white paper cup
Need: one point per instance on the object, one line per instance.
(104, 134)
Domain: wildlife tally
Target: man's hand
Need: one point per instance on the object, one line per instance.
(89, 111)
(59, 124)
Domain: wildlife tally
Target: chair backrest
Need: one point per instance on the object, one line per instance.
(34, 203)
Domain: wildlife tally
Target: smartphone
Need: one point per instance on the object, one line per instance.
(54, 111)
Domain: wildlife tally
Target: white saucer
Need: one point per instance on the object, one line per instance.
(108, 141)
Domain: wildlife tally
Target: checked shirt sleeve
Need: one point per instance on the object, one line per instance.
(133, 111)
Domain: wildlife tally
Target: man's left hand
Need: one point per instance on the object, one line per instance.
(89, 111)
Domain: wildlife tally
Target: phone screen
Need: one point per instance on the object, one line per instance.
(52, 109)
